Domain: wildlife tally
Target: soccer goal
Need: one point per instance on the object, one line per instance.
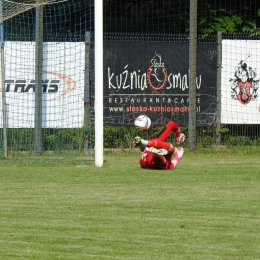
(47, 81)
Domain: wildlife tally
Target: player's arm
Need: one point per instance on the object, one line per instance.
(178, 151)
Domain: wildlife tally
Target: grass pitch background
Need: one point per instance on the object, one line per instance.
(206, 208)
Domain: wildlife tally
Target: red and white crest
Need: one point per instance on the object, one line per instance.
(244, 85)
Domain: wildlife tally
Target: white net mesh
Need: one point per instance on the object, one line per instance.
(9, 8)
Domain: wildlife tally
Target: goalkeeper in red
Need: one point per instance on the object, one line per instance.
(157, 153)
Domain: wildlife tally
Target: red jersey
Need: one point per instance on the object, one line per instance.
(148, 161)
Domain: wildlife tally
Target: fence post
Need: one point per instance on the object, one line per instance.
(87, 90)
(219, 66)
(192, 74)
(38, 81)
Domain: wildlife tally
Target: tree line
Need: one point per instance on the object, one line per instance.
(146, 16)
(173, 16)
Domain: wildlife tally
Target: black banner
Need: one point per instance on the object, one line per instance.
(152, 78)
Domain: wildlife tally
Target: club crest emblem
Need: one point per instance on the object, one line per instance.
(244, 85)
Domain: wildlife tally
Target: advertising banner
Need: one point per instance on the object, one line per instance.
(240, 101)
(62, 84)
(152, 78)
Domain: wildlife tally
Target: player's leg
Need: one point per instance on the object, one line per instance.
(158, 144)
(171, 126)
(155, 146)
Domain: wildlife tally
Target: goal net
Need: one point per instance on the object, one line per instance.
(9, 9)
(63, 60)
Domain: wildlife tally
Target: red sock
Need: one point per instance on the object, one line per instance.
(171, 126)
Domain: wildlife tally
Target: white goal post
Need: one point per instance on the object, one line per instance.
(99, 131)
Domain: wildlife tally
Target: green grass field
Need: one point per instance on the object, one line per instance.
(206, 208)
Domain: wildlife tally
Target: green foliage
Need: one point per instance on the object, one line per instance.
(223, 24)
(51, 142)
(110, 137)
(22, 139)
(146, 16)
(224, 131)
(228, 20)
(251, 28)
(239, 141)
(206, 141)
(117, 137)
